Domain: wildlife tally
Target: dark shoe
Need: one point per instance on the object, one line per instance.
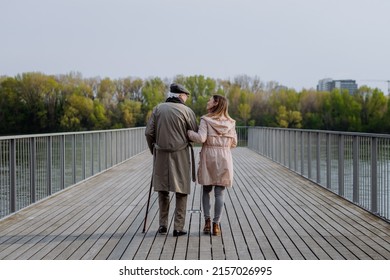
(216, 229)
(207, 226)
(179, 232)
(162, 230)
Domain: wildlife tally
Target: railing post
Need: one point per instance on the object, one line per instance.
(374, 172)
(283, 147)
(279, 146)
(341, 165)
(302, 154)
(74, 159)
(123, 147)
(275, 145)
(271, 143)
(289, 148)
(355, 159)
(266, 138)
(119, 147)
(62, 161)
(49, 165)
(33, 165)
(295, 151)
(12, 167)
(126, 147)
(114, 152)
(83, 156)
(281, 151)
(133, 138)
(328, 161)
(112, 148)
(286, 148)
(93, 138)
(100, 152)
(105, 150)
(309, 155)
(318, 155)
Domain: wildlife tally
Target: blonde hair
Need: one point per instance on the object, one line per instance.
(221, 109)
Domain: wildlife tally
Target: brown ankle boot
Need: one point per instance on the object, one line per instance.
(216, 230)
(207, 226)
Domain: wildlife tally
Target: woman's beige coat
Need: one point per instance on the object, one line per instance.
(215, 160)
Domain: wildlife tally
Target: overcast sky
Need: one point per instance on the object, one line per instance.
(293, 42)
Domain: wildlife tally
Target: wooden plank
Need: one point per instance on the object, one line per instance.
(195, 225)
(335, 221)
(235, 227)
(282, 185)
(288, 228)
(134, 188)
(36, 232)
(117, 190)
(270, 226)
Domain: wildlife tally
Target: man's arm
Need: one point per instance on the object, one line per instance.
(150, 132)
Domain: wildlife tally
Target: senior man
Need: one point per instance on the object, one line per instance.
(166, 135)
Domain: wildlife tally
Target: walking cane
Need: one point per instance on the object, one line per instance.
(147, 205)
(150, 191)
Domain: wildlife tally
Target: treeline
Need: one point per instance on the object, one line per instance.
(38, 103)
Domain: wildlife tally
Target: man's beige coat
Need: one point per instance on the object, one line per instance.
(166, 134)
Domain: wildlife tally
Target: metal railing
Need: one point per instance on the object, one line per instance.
(352, 165)
(242, 136)
(33, 167)
(355, 166)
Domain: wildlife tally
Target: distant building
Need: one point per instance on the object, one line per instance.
(329, 84)
(325, 85)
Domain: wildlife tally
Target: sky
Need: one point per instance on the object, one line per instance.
(292, 42)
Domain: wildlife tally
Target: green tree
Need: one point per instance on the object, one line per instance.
(77, 113)
(201, 89)
(35, 103)
(42, 97)
(132, 88)
(373, 108)
(130, 112)
(261, 113)
(153, 93)
(98, 120)
(233, 95)
(341, 112)
(289, 119)
(245, 106)
(12, 110)
(310, 103)
(386, 119)
(284, 97)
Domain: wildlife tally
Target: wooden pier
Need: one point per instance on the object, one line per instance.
(270, 213)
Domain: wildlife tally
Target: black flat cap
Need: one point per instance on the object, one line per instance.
(177, 88)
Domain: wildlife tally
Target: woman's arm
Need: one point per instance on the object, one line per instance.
(201, 135)
(234, 142)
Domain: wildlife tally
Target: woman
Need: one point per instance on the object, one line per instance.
(217, 132)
